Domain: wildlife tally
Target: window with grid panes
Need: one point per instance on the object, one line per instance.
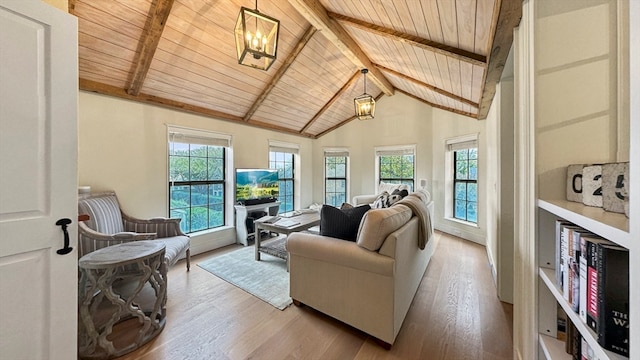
(197, 184)
(465, 188)
(397, 169)
(284, 162)
(335, 188)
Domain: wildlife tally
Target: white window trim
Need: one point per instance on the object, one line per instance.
(336, 151)
(452, 144)
(291, 148)
(229, 170)
(406, 149)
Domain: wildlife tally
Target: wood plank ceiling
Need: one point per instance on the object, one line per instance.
(181, 54)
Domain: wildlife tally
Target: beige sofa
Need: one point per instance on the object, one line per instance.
(368, 284)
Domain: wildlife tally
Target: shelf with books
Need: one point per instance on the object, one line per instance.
(548, 278)
(612, 226)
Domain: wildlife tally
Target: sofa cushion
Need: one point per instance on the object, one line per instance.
(341, 223)
(383, 186)
(377, 224)
(385, 199)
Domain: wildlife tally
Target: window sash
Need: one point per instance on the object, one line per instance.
(287, 201)
(465, 181)
(328, 179)
(190, 210)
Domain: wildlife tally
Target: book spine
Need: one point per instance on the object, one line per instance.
(582, 304)
(565, 267)
(592, 285)
(574, 297)
(559, 259)
(613, 298)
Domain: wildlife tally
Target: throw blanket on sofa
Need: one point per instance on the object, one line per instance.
(419, 209)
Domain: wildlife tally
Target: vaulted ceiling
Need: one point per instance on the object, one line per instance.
(181, 54)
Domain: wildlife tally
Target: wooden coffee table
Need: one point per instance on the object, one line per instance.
(277, 247)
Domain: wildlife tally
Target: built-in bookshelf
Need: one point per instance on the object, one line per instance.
(575, 121)
(607, 225)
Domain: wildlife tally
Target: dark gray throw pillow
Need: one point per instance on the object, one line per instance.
(341, 223)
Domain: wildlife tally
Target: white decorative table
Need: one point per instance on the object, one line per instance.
(118, 283)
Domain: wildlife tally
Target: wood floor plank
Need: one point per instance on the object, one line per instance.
(455, 315)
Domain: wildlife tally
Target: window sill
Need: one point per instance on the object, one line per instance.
(210, 231)
(467, 223)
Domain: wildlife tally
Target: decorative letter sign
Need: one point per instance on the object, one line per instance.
(574, 182)
(592, 185)
(625, 192)
(613, 182)
(605, 186)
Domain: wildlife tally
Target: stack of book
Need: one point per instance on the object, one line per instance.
(593, 274)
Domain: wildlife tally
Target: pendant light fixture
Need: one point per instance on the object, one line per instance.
(365, 104)
(256, 38)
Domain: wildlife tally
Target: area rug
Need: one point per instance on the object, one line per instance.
(266, 279)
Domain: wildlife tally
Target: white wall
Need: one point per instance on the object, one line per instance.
(576, 89)
(447, 125)
(123, 147)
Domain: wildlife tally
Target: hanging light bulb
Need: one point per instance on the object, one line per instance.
(257, 35)
(365, 105)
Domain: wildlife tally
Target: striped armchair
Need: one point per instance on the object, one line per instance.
(109, 225)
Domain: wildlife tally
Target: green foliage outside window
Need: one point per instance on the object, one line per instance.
(397, 169)
(196, 185)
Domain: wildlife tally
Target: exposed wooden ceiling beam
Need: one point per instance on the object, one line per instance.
(426, 44)
(510, 13)
(159, 13)
(335, 97)
(342, 123)
(317, 15)
(72, 7)
(428, 86)
(471, 115)
(104, 89)
(281, 71)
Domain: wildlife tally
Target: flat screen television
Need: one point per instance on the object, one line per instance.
(256, 186)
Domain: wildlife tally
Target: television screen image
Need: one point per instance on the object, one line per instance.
(256, 184)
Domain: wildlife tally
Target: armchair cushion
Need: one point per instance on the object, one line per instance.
(104, 214)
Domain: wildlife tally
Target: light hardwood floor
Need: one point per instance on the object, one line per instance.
(455, 315)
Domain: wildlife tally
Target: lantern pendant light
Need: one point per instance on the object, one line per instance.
(365, 104)
(256, 38)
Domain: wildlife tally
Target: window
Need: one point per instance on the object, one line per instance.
(197, 178)
(335, 177)
(282, 157)
(463, 192)
(466, 185)
(396, 165)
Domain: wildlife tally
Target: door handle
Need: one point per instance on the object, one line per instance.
(63, 223)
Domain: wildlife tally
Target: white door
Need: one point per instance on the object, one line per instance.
(38, 180)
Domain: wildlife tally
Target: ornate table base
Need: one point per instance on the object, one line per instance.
(119, 283)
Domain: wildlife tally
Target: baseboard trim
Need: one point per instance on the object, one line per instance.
(202, 243)
(461, 233)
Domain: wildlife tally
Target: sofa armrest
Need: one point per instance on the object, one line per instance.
(339, 252)
(364, 199)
